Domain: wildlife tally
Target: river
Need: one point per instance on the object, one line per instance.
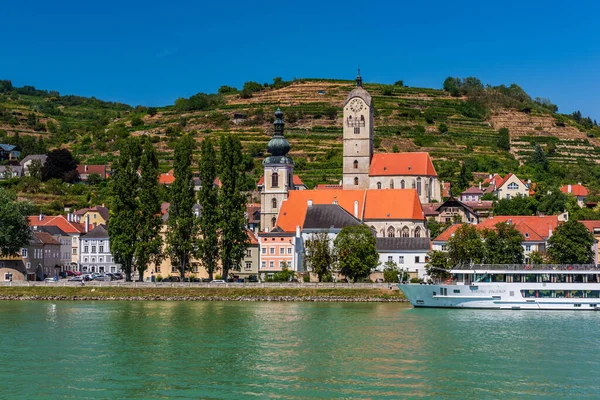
(99, 350)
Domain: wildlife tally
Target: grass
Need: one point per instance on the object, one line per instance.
(192, 292)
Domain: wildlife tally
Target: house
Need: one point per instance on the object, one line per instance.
(405, 171)
(167, 178)
(65, 241)
(95, 253)
(250, 264)
(68, 225)
(12, 268)
(579, 191)
(28, 160)
(50, 253)
(536, 231)
(508, 187)
(9, 152)
(277, 250)
(473, 193)
(86, 170)
(97, 215)
(253, 216)
(453, 210)
(409, 254)
(594, 228)
(10, 171)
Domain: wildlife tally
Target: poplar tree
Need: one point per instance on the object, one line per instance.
(208, 198)
(149, 246)
(14, 225)
(233, 205)
(123, 226)
(182, 225)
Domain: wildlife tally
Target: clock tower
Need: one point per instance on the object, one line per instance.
(358, 137)
(278, 176)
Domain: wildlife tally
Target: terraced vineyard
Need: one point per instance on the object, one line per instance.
(407, 119)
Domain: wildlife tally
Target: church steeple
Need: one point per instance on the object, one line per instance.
(278, 145)
(359, 79)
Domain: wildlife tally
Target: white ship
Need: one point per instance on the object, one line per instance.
(512, 287)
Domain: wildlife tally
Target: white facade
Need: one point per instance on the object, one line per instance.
(411, 261)
(95, 256)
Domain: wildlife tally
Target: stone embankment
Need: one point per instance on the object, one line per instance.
(340, 299)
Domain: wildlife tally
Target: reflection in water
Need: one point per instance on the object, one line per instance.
(292, 350)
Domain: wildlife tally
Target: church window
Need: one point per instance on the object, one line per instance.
(356, 181)
(357, 130)
(391, 232)
(378, 185)
(273, 220)
(391, 184)
(355, 164)
(419, 186)
(382, 233)
(274, 203)
(405, 232)
(418, 232)
(402, 184)
(275, 180)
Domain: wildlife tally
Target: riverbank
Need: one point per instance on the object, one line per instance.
(199, 294)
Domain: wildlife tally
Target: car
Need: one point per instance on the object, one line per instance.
(51, 279)
(205, 280)
(253, 278)
(102, 278)
(218, 281)
(87, 277)
(76, 279)
(118, 276)
(172, 279)
(63, 274)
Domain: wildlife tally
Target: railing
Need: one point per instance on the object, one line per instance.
(355, 123)
(527, 267)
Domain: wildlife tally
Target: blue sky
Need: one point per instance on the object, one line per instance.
(150, 52)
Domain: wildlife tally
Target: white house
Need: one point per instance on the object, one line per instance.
(95, 253)
(408, 253)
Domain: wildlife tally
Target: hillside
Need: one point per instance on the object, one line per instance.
(407, 119)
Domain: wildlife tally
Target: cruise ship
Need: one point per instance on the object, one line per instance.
(512, 287)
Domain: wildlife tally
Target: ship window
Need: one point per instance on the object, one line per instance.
(456, 290)
(498, 278)
(576, 305)
(593, 305)
(592, 278)
(530, 278)
(577, 278)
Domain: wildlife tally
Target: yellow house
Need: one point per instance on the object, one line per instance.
(97, 215)
(511, 187)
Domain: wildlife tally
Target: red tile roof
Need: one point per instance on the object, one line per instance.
(473, 190)
(92, 169)
(533, 228)
(576, 190)
(166, 178)
(326, 186)
(46, 238)
(380, 204)
(446, 189)
(417, 163)
(252, 240)
(59, 221)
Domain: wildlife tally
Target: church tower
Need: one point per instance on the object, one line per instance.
(278, 175)
(358, 137)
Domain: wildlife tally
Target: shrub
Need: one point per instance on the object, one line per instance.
(159, 278)
(387, 90)
(430, 115)
(137, 121)
(443, 128)
(306, 278)
(395, 149)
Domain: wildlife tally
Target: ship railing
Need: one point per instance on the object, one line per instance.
(528, 267)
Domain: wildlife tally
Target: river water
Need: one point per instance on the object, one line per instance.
(99, 350)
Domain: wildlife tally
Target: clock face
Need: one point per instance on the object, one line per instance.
(356, 105)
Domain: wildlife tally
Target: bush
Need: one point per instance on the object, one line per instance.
(159, 278)
(306, 278)
(443, 128)
(387, 90)
(430, 115)
(473, 110)
(137, 121)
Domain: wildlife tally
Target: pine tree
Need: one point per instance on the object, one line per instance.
(149, 245)
(233, 205)
(123, 226)
(182, 225)
(208, 198)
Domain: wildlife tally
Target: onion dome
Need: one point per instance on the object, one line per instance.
(278, 145)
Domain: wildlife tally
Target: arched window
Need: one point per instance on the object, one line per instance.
(405, 232)
(419, 186)
(362, 119)
(355, 164)
(273, 220)
(402, 184)
(382, 232)
(378, 185)
(391, 232)
(391, 183)
(274, 203)
(275, 180)
(356, 181)
(374, 230)
(418, 232)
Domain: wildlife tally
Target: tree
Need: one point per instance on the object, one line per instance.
(123, 226)
(464, 177)
(503, 142)
(233, 205)
(452, 85)
(14, 225)
(149, 242)
(395, 149)
(503, 244)
(438, 264)
(60, 164)
(391, 272)
(182, 225)
(443, 128)
(571, 243)
(465, 246)
(399, 83)
(208, 198)
(227, 90)
(538, 158)
(152, 111)
(518, 205)
(318, 256)
(355, 252)
(35, 169)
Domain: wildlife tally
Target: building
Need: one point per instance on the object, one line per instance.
(97, 215)
(409, 254)
(473, 193)
(594, 228)
(50, 253)
(66, 242)
(250, 263)
(455, 211)
(277, 250)
(509, 187)
(10, 171)
(579, 191)
(95, 253)
(86, 170)
(9, 152)
(12, 268)
(28, 160)
(536, 231)
(68, 225)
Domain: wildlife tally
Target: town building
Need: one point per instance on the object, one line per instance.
(473, 193)
(86, 170)
(66, 242)
(407, 254)
(9, 152)
(28, 160)
(68, 225)
(452, 210)
(579, 191)
(508, 187)
(97, 215)
(95, 253)
(10, 172)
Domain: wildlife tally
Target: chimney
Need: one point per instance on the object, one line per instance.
(310, 203)
(85, 168)
(490, 176)
(298, 231)
(356, 209)
(41, 217)
(479, 185)
(87, 223)
(510, 221)
(569, 188)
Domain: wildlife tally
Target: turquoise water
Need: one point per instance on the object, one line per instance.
(93, 350)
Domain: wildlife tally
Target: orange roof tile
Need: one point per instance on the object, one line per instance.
(576, 190)
(380, 204)
(92, 169)
(166, 178)
(326, 186)
(252, 240)
(402, 164)
(58, 221)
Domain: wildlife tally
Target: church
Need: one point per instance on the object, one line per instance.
(404, 180)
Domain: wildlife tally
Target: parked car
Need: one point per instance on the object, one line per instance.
(63, 274)
(218, 281)
(205, 280)
(76, 273)
(172, 279)
(76, 279)
(51, 279)
(253, 278)
(87, 277)
(102, 278)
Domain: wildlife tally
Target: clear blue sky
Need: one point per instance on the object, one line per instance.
(151, 52)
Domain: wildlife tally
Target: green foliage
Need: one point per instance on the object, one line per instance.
(465, 246)
(571, 243)
(438, 264)
(503, 142)
(208, 198)
(227, 90)
(318, 255)
(391, 272)
(137, 121)
(395, 149)
(199, 101)
(503, 244)
(430, 115)
(14, 225)
(443, 128)
(436, 228)
(517, 205)
(285, 275)
(399, 83)
(355, 252)
(538, 159)
(452, 86)
(60, 164)
(473, 110)
(387, 90)
(331, 113)
(152, 111)
(250, 88)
